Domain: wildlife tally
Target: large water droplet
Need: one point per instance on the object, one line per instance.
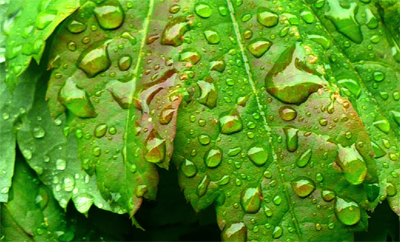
(347, 211)
(287, 113)
(291, 80)
(352, 164)
(174, 31)
(76, 27)
(258, 155)
(188, 168)
(45, 18)
(203, 10)
(212, 36)
(213, 157)
(382, 124)
(267, 18)
(94, 60)
(230, 122)
(344, 20)
(208, 92)
(155, 148)
(303, 186)
(121, 92)
(76, 100)
(251, 200)
(83, 202)
(277, 233)
(292, 139)
(304, 158)
(109, 14)
(38, 132)
(125, 63)
(258, 47)
(100, 130)
(166, 114)
(235, 232)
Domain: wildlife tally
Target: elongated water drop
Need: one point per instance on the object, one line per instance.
(203, 185)
(188, 168)
(251, 200)
(76, 27)
(347, 211)
(277, 233)
(304, 158)
(76, 100)
(258, 47)
(352, 164)
(234, 232)
(292, 139)
(213, 157)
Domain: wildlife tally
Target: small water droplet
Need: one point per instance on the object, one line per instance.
(213, 157)
(258, 47)
(203, 10)
(347, 211)
(328, 195)
(38, 132)
(61, 164)
(251, 200)
(125, 62)
(287, 113)
(212, 36)
(76, 27)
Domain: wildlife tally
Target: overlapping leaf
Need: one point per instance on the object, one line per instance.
(27, 25)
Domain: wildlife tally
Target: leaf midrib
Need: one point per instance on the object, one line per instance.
(266, 126)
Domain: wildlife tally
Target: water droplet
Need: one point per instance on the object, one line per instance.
(203, 10)
(174, 31)
(304, 158)
(61, 164)
(277, 233)
(391, 190)
(155, 148)
(379, 152)
(287, 113)
(100, 130)
(372, 21)
(268, 211)
(190, 55)
(69, 183)
(234, 232)
(352, 164)
(212, 36)
(213, 157)
(208, 92)
(83, 202)
(223, 181)
(277, 200)
(42, 198)
(203, 185)
(307, 16)
(344, 20)
(328, 195)
(267, 18)
(166, 115)
(292, 138)
(121, 92)
(218, 65)
(94, 60)
(124, 63)
(76, 27)
(303, 186)
(382, 124)
(251, 200)
(351, 86)
(379, 76)
(38, 132)
(109, 14)
(322, 40)
(291, 80)
(45, 18)
(76, 100)
(258, 155)
(258, 47)
(204, 139)
(230, 122)
(234, 151)
(347, 211)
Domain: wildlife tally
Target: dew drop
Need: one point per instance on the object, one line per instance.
(287, 113)
(76, 27)
(203, 185)
(277, 233)
(258, 155)
(38, 132)
(203, 10)
(291, 138)
(100, 130)
(235, 232)
(61, 164)
(212, 36)
(109, 15)
(347, 211)
(94, 60)
(258, 47)
(230, 122)
(352, 164)
(166, 115)
(208, 92)
(83, 202)
(213, 157)
(125, 63)
(304, 158)
(45, 18)
(174, 31)
(251, 200)
(303, 186)
(267, 18)
(155, 147)
(328, 195)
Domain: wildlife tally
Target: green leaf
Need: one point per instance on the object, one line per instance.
(27, 25)
(112, 120)
(32, 214)
(54, 156)
(12, 108)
